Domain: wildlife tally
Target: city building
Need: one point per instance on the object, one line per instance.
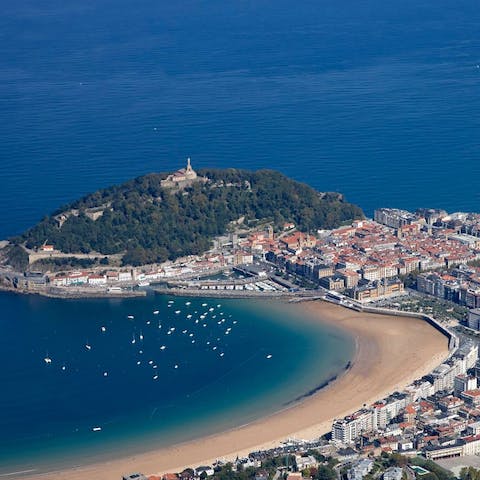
(360, 469)
(393, 473)
(462, 383)
(393, 217)
(474, 319)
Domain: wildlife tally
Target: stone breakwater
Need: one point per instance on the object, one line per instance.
(55, 292)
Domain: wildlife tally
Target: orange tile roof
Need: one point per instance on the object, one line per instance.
(473, 393)
(170, 476)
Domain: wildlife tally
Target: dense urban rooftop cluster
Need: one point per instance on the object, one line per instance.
(369, 259)
(434, 415)
(366, 260)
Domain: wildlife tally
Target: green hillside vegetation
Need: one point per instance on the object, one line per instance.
(149, 223)
(15, 256)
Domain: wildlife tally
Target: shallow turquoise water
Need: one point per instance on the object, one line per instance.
(212, 375)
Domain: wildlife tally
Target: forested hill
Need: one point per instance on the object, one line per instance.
(150, 223)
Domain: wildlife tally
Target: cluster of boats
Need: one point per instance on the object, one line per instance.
(190, 327)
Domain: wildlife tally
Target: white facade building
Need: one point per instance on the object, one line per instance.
(393, 473)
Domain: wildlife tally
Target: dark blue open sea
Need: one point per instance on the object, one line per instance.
(377, 99)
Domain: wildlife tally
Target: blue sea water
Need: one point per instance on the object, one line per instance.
(376, 99)
(199, 366)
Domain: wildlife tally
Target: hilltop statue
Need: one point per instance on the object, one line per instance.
(182, 177)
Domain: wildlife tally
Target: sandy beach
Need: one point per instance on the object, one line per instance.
(391, 352)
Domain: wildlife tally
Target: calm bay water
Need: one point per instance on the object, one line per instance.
(198, 366)
(376, 99)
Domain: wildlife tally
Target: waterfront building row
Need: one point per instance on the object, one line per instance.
(446, 378)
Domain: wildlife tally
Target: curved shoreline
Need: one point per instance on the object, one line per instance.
(391, 352)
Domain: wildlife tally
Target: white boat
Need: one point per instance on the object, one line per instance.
(140, 336)
(133, 338)
(88, 347)
(96, 429)
(163, 347)
(155, 377)
(269, 356)
(156, 312)
(47, 360)
(103, 329)
(131, 317)
(143, 283)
